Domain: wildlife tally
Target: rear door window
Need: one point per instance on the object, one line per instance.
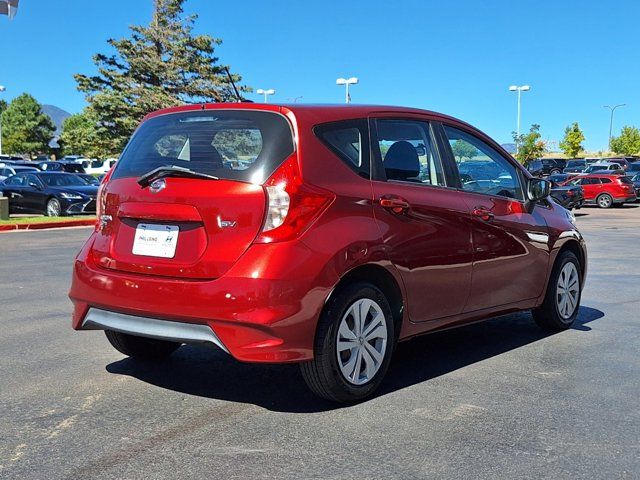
(230, 144)
(408, 153)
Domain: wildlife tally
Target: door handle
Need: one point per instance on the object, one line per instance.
(395, 204)
(483, 213)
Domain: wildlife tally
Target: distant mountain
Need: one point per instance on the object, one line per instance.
(509, 147)
(57, 115)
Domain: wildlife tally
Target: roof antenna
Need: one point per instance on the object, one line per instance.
(238, 97)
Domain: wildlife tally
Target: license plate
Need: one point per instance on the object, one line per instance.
(155, 240)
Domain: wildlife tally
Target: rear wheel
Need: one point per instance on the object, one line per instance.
(555, 171)
(604, 200)
(562, 300)
(141, 347)
(353, 345)
(53, 208)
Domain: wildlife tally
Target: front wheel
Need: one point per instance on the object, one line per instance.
(562, 300)
(353, 345)
(604, 200)
(53, 208)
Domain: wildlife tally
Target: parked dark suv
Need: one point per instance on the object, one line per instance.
(551, 166)
(320, 235)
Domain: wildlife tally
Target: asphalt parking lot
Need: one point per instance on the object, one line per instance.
(499, 399)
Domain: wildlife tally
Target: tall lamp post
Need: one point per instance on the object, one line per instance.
(266, 93)
(2, 89)
(519, 89)
(613, 109)
(346, 82)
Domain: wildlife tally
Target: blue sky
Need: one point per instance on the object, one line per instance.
(456, 57)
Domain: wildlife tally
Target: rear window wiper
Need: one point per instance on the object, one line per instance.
(171, 171)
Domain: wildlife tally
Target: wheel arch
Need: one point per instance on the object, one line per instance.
(382, 279)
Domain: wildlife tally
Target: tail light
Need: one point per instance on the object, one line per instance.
(292, 206)
(571, 193)
(101, 199)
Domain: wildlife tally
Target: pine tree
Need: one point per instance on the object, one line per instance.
(160, 65)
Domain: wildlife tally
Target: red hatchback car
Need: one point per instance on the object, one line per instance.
(320, 235)
(605, 190)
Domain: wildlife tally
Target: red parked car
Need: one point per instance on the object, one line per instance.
(320, 235)
(605, 191)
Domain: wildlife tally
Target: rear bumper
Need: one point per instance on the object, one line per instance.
(180, 332)
(256, 313)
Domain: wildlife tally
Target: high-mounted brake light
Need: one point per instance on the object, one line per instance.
(292, 206)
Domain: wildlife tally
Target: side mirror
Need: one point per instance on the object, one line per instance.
(538, 189)
(35, 185)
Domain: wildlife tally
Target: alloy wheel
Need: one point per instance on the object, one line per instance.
(53, 208)
(361, 342)
(568, 291)
(604, 201)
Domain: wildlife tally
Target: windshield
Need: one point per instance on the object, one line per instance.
(229, 144)
(62, 180)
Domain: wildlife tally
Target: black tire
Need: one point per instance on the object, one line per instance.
(323, 375)
(140, 347)
(555, 171)
(53, 208)
(604, 200)
(548, 316)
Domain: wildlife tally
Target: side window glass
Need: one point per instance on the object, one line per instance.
(407, 152)
(349, 141)
(482, 169)
(32, 179)
(17, 180)
(605, 180)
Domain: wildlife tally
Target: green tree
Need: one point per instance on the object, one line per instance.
(628, 143)
(160, 65)
(79, 135)
(571, 144)
(462, 150)
(530, 145)
(25, 128)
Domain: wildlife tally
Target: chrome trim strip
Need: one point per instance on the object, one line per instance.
(538, 237)
(182, 332)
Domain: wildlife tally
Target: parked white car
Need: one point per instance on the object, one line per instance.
(98, 167)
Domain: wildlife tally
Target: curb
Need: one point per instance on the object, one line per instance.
(44, 225)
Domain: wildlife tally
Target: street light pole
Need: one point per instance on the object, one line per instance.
(266, 93)
(519, 89)
(2, 89)
(346, 82)
(613, 109)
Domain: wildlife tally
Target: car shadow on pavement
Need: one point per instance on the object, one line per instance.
(207, 372)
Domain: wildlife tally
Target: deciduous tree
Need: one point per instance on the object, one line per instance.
(628, 143)
(25, 128)
(571, 144)
(530, 145)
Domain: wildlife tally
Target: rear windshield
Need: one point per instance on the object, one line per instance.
(626, 180)
(231, 144)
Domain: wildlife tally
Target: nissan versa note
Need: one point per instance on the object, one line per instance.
(320, 235)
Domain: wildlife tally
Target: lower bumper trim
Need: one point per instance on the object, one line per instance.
(181, 332)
